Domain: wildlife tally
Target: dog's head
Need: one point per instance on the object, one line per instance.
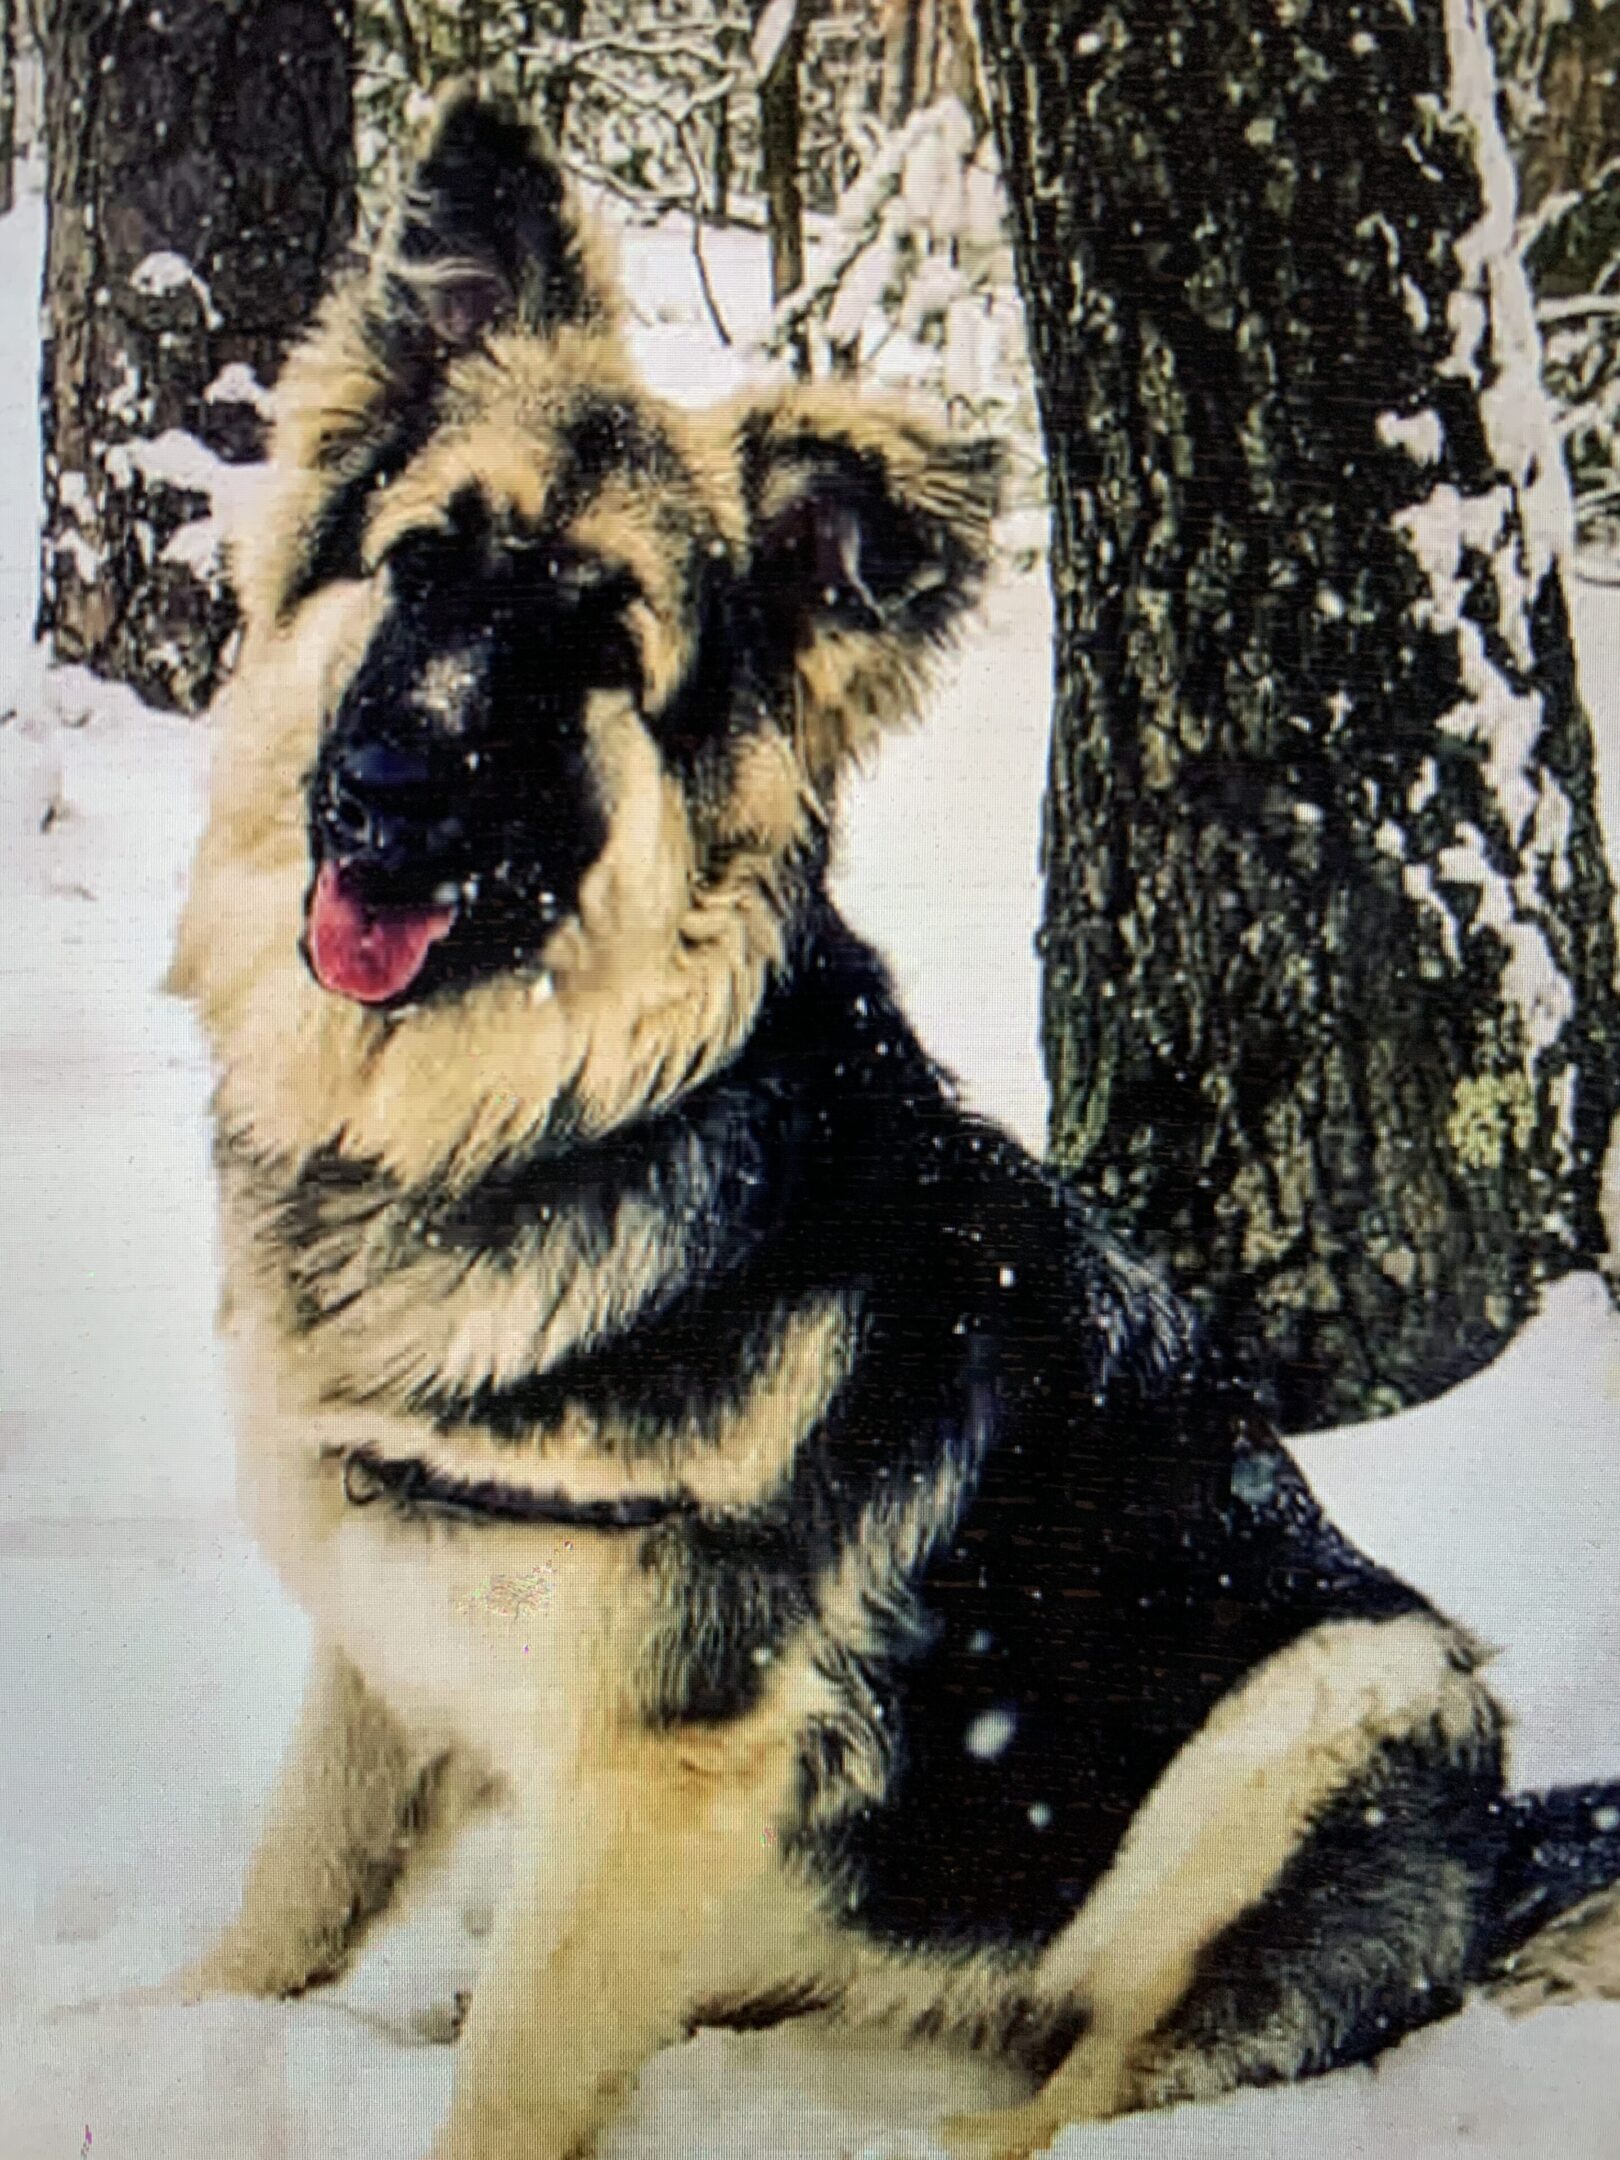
(544, 692)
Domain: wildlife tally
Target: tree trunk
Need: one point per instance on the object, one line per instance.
(720, 166)
(559, 86)
(1329, 1017)
(779, 130)
(8, 106)
(471, 25)
(904, 32)
(927, 54)
(405, 40)
(201, 181)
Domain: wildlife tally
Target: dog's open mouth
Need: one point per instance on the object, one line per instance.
(364, 951)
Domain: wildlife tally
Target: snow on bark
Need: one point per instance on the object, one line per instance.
(166, 272)
(771, 33)
(1522, 527)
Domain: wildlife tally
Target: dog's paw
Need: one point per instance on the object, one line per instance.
(238, 1968)
(1013, 2133)
(1099, 2079)
(528, 2139)
(989, 2136)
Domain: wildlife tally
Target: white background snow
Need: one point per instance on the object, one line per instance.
(151, 1666)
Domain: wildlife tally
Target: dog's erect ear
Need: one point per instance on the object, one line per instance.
(486, 234)
(869, 536)
(486, 237)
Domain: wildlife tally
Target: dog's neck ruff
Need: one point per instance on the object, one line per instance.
(416, 1488)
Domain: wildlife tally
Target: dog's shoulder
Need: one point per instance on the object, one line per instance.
(1074, 1530)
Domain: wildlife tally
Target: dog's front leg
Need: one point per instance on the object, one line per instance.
(354, 1800)
(630, 1892)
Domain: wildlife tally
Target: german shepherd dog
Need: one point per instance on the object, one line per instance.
(677, 1415)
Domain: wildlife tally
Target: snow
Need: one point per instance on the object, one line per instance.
(159, 274)
(991, 1733)
(153, 1666)
(1420, 435)
(238, 385)
(771, 33)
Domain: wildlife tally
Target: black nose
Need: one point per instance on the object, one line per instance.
(378, 804)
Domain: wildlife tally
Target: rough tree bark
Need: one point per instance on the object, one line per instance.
(1330, 1016)
(910, 29)
(779, 135)
(8, 105)
(570, 24)
(201, 180)
(470, 16)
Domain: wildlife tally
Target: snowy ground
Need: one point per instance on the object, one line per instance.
(153, 1667)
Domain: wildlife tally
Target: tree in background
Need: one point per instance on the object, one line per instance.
(203, 161)
(8, 104)
(1330, 1013)
(777, 53)
(912, 282)
(1560, 63)
(201, 182)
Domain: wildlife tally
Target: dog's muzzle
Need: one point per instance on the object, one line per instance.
(378, 813)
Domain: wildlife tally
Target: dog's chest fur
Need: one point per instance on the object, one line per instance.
(502, 1557)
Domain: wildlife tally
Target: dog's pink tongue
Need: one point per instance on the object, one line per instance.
(371, 954)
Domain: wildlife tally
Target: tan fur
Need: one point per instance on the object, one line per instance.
(329, 398)
(512, 472)
(620, 1831)
(1574, 1959)
(359, 1799)
(667, 1864)
(746, 1450)
(530, 1691)
(656, 981)
(660, 976)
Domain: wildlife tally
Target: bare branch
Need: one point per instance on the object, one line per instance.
(1577, 307)
(409, 50)
(695, 213)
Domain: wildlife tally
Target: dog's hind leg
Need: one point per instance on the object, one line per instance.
(1213, 1851)
(356, 1801)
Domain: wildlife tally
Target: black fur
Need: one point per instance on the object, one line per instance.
(1128, 1541)
(488, 201)
(1561, 1847)
(486, 788)
(1116, 1538)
